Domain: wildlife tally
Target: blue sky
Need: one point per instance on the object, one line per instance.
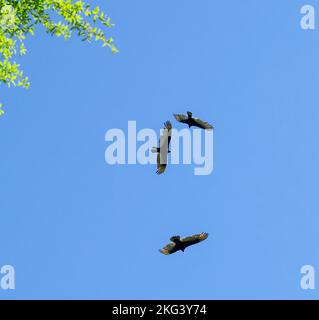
(76, 228)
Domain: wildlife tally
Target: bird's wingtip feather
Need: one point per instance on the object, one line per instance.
(163, 251)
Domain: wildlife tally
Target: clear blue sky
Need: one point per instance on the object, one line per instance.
(75, 227)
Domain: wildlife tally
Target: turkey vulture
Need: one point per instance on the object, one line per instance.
(181, 244)
(163, 149)
(192, 122)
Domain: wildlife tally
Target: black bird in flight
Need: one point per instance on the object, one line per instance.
(181, 244)
(163, 149)
(193, 122)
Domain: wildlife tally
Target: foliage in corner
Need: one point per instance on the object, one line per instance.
(18, 19)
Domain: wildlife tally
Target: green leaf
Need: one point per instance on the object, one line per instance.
(69, 15)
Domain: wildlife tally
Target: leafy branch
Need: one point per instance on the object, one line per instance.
(19, 18)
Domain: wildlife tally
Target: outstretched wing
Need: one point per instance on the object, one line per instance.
(165, 138)
(181, 118)
(169, 249)
(202, 124)
(189, 241)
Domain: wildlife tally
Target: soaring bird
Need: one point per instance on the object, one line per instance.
(181, 244)
(163, 149)
(193, 122)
